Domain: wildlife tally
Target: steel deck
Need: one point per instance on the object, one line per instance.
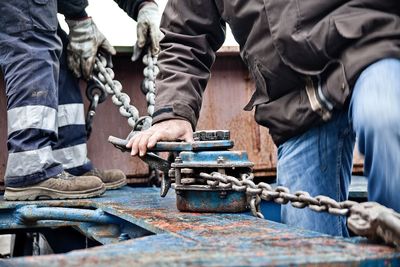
(200, 239)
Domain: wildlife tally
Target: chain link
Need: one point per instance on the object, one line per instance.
(280, 194)
(150, 73)
(104, 76)
(368, 219)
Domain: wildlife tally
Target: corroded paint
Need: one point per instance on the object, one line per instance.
(206, 239)
(210, 200)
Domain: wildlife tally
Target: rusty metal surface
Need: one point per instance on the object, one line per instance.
(205, 199)
(203, 239)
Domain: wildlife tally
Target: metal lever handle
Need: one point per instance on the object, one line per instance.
(177, 146)
(119, 143)
(150, 158)
(153, 160)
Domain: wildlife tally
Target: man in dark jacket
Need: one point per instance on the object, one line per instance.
(46, 126)
(325, 72)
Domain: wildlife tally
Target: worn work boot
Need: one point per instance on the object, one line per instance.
(62, 186)
(112, 179)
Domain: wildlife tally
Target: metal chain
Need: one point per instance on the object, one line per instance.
(150, 73)
(104, 76)
(368, 219)
(280, 194)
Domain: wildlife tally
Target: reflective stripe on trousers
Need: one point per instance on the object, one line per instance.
(72, 157)
(71, 149)
(31, 117)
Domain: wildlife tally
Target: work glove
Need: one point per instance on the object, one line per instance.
(148, 30)
(84, 42)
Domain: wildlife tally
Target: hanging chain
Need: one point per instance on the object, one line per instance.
(104, 78)
(149, 87)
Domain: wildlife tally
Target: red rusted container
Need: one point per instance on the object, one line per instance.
(227, 93)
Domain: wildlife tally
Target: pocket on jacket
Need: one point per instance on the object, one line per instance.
(352, 26)
(348, 26)
(44, 14)
(287, 116)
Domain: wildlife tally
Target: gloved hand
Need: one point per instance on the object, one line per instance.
(148, 27)
(84, 41)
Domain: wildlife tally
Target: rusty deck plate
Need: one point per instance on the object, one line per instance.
(200, 239)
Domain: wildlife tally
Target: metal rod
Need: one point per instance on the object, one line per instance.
(31, 214)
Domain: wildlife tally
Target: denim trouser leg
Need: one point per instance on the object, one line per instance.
(319, 162)
(375, 111)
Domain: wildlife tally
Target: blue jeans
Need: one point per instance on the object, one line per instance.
(320, 160)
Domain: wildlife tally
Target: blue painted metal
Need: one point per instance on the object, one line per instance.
(30, 214)
(176, 146)
(207, 239)
(200, 197)
(213, 159)
(195, 146)
(204, 199)
(204, 239)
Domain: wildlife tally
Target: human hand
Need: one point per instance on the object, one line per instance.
(169, 130)
(84, 42)
(148, 29)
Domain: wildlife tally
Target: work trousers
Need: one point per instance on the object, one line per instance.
(45, 115)
(320, 160)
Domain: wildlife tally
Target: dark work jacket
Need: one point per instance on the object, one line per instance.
(304, 55)
(76, 8)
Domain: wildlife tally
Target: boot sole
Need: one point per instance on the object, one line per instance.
(116, 184)
(35, 192)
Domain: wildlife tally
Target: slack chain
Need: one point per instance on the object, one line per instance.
(280, 195)
(368, 219)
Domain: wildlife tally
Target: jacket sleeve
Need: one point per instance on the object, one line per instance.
(72, 9)
(194, 31)
(131, 7)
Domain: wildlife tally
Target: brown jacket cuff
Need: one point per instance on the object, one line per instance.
(176, 111)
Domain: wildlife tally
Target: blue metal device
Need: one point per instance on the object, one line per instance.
(193, 194)
(209, 153)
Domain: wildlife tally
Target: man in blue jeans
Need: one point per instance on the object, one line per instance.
(326, 73)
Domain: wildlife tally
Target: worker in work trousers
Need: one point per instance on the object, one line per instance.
(46, 126)
(326, 72)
